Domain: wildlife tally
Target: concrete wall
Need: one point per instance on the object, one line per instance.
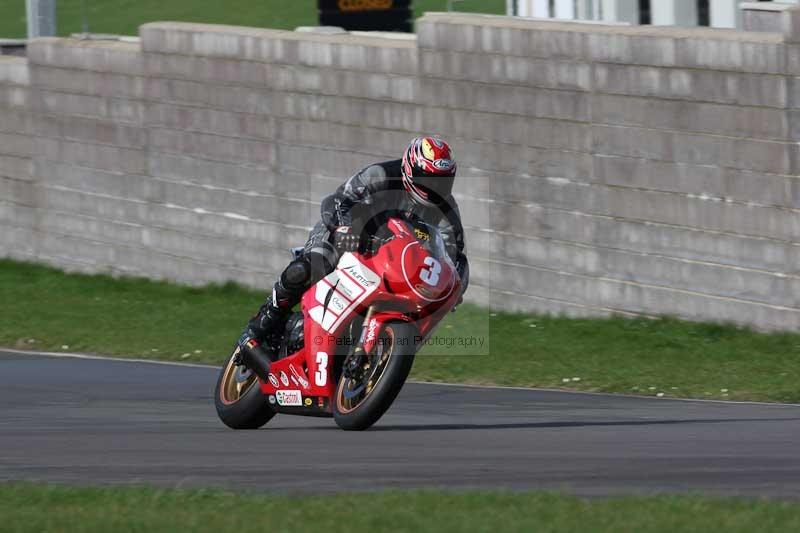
(635, 170)
(17, 177)
(201, 154)
(605, 169)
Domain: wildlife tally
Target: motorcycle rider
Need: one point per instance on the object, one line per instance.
(420, 183)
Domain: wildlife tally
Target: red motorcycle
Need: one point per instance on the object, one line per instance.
(349, 350)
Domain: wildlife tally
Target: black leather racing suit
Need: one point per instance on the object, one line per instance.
(374, 190)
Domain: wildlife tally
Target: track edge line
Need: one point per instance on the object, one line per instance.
(76, 355)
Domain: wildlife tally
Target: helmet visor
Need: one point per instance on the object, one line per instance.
(437, 186)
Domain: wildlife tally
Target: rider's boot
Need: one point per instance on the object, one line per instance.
(265, 329)
(268, 324)
(260, 341)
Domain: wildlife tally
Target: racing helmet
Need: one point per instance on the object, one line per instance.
(428, 170)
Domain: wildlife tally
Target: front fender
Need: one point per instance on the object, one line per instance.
(379, 318)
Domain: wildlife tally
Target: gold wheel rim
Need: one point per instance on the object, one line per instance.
(231, 390)
(345, 405)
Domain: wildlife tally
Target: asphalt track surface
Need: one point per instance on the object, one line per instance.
(105, 421)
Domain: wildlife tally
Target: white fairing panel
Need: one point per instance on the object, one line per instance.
(344, 289)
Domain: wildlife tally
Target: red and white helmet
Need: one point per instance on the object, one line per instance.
(428, 169)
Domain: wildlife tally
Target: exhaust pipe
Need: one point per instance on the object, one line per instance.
(257, 359)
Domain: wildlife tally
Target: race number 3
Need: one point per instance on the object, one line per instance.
(321, 375)
(430, 275)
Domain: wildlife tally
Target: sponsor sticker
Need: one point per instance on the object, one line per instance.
(348, 289)
(298, 376)
(272, 399)
(337, 304)
(289, 398)
(443, 164)
(362, 275)
(371, 330)
(425, 291)
(422, 235)
(307, 402)
(397, 227)
(273, 380)
(284, 379)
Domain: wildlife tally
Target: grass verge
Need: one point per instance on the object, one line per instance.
(44, 309)
(36, 508)
(125, 16)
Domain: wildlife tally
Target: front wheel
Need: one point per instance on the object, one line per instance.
(238, 398)
(363, 398)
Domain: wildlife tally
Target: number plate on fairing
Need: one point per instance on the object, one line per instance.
(339, 293)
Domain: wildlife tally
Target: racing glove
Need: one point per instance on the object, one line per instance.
(344, 240)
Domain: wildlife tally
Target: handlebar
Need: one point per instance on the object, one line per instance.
(373, 244)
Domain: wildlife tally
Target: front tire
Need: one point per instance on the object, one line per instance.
(238, 398)
(359, 403)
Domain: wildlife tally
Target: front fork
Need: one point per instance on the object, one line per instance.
(370, 332)
(355, 359)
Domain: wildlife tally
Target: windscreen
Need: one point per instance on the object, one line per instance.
(431, 239)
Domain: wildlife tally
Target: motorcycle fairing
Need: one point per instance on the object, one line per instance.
(339, 293)
(406, 286)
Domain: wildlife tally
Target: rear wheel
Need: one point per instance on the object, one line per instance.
(238, 398)
(364, 397)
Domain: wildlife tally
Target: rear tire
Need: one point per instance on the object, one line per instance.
(238, 398)
(378, 400)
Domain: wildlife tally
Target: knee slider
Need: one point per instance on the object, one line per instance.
(321, 262)
(297, 275)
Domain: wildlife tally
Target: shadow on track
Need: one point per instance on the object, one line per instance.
(542, 425)
(577, 423)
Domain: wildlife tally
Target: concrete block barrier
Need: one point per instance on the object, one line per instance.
(699, 85)
(91, 83)
(602, 169)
